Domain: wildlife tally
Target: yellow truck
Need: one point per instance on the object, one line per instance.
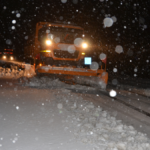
(60, 50)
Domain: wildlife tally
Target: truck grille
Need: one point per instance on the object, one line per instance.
(65, 54)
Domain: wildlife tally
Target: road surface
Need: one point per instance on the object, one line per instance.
(38, 113)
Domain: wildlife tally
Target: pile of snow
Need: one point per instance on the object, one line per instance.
(14, 72)
(46, 82)
(29, 70)
(11, 72)
(97, 127)
(92, 81)
(47, 119)
(93, 125)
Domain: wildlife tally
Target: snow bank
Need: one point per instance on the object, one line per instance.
(46, 82)
(92, 125)
(97, 127)
(29, 70)
(14, 72)
(93, 81)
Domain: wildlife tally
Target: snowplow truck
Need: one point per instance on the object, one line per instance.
(60, 50)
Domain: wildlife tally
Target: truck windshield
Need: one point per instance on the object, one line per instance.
(59, 34)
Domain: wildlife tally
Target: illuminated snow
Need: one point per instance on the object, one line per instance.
(108, 22)
(118, 34)
(59, 106)
(63, 1)
(114, 19)
(26, 37)
(94, 66)
(13, 21)
(8, 41)
(114, 81)
(135, 70)
(71, 49)
(75, 1)
(15, 73)
(78, 42)
(102, 56)
(63, 47)
(61, 17)
(119, 49)
(56, 39)
(47, 31)
(13, 27)
(145, 26)
(18, 15)
(113, 93)
(114, 69)
(68, 119)
(17, 107)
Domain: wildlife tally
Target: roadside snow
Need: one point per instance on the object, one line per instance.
(52, 119)
(98, 128)
(14, 72)
(94, 126)
(46, 82)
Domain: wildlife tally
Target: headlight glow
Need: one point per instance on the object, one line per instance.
(48, 51)
(48, 42)
(84, 45)
(4, 57)
(11, 58)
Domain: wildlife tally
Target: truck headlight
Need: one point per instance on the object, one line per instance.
(4, 57)
(48, 42)
(84, 45)
(11, 58)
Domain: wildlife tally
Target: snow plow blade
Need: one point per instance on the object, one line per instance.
(96, 78)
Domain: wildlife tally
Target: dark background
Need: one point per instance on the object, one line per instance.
(131, 30)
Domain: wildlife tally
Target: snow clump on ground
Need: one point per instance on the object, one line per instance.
(97, 127)
(46, 82)
(14, 72)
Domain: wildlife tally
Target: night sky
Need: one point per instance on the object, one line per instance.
(131, 29)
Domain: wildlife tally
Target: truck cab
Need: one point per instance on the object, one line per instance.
(59, 44)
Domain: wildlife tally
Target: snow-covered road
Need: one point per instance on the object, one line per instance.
(37, 114)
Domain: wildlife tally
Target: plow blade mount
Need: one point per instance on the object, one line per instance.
(96, 78)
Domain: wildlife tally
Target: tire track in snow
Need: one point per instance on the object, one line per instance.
(133, 107)
(127, 104)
